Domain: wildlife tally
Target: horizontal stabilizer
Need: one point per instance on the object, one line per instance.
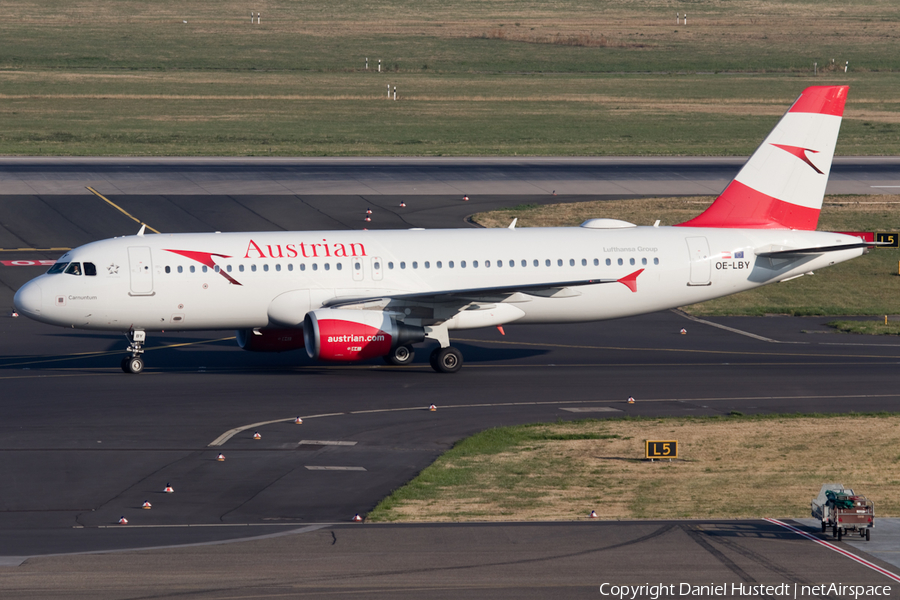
(817, 250)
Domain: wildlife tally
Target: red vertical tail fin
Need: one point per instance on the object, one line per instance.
(782, 185)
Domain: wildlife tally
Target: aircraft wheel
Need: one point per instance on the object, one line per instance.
(124, 364)
(840, 533)
(134, 364)
(446, 360)
(401, 355)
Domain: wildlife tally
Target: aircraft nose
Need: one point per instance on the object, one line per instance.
(28, 299)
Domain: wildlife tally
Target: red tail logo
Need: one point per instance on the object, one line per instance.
(801, 154)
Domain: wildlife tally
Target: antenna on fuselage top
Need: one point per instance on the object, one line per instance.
(513, 224)
(141, 231)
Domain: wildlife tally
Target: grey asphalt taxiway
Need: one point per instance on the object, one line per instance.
(84, 444)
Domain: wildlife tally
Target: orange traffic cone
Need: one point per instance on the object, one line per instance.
(630, 400)
(220, 457)
(256, 436)
(357, 517)
(14, 314)
(123, 521)
(593, 515)
(403, 205)
(368, 211)
(146, 505)
(683, 331)
(298, 421)
(368, 219)
(432, 408)
(168, 489)
(465, 198)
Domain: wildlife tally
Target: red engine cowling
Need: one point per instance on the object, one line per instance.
(341, 334)
(270, 340)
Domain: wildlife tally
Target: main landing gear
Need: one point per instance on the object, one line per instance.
(443, 360)
(401, 355)
(134, 363)
(446, 360)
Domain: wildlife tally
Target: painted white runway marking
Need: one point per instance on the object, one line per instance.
(837, 549)
(323, 468)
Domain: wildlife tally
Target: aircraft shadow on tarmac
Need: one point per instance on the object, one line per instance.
(192, 353)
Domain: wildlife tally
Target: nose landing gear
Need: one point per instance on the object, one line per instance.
(134, 363)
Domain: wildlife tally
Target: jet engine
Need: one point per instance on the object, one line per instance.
(342, 334)
(270, 340)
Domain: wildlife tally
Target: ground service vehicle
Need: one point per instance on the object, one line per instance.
(842, 510)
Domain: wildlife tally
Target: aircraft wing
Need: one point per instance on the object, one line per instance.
(488, 294)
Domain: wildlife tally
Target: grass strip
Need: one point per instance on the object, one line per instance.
(867, 327)
(864, 286)
(569, 77)
(729, 468)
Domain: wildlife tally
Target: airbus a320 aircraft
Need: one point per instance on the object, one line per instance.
(358, 295)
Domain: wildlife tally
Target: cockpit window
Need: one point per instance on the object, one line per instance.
(57, 268)
(74, 269)
(90, 270)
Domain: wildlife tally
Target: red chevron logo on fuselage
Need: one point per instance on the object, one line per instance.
(801, 154)
(206, 259)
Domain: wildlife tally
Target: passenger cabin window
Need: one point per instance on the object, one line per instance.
(168, 269)
(57, 268)
(655, 261)
(90, 270)
(181, 269)
(74, 269)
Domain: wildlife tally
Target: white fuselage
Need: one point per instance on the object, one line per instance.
(277, 277)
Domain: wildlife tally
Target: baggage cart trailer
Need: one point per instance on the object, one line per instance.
(842, 510)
